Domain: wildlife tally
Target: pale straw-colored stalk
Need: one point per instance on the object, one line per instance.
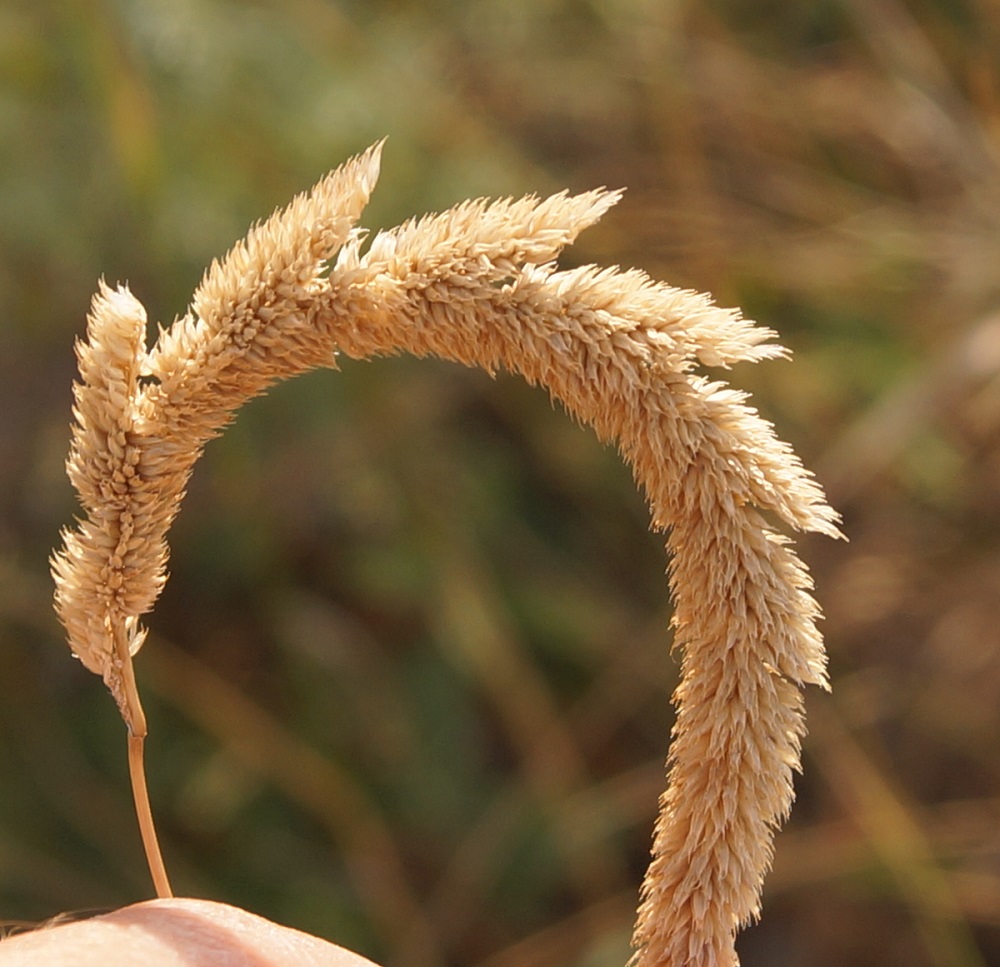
(478, 285)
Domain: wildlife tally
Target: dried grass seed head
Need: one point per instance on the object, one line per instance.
(477, 285)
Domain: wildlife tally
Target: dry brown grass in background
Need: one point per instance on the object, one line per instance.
(477, 285)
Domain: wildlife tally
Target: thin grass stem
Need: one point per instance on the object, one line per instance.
(147, 829)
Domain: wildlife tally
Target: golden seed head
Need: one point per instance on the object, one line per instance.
(477, 284)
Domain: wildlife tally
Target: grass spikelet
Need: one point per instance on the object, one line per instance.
(477, 285)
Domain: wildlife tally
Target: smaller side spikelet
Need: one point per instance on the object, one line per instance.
(478, 285)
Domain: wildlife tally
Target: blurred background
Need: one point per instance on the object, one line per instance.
(408, 686)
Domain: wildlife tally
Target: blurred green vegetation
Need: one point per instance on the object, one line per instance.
(409, 683)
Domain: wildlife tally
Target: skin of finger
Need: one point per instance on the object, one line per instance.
(175, 933)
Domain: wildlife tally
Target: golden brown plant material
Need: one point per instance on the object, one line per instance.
(478, 285)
